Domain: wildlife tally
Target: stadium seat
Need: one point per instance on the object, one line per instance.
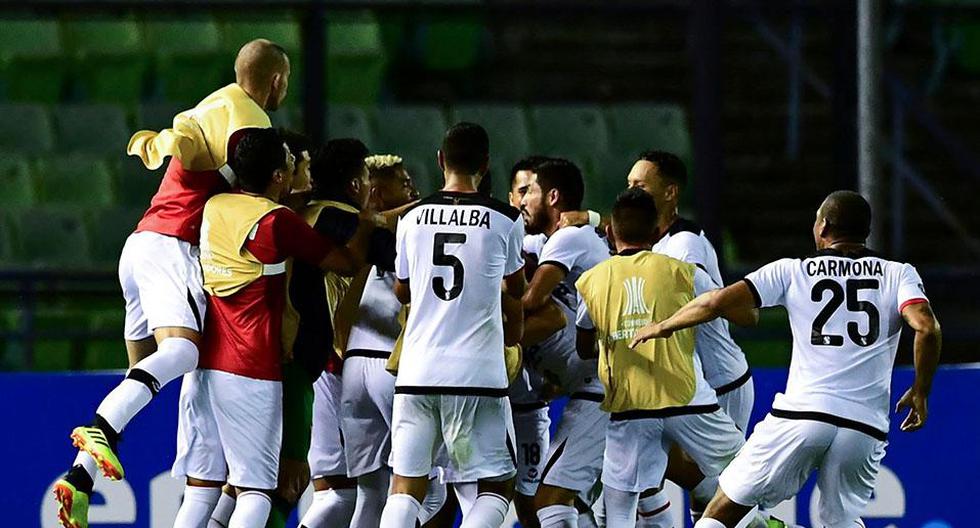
(8, 244)
(606, 180)
(109, 58)
(108, 229)
(16, 182)
(75, 180)
(59, 337)
(25, 128)
(135, 184)
(52, 238)
(410, 131)
(97, 129)
(509, 141)
(105, 351)
(561, 130)
(31, 62)
(188, 58)
(638, 127)
(159, 115)
(355, 58)
(350, 121)
(451, 42)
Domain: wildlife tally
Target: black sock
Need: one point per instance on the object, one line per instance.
(80, 478)
(110, 434)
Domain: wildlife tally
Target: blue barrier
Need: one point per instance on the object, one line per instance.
(928, 476)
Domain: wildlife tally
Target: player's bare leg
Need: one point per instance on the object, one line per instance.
(403, 505)
(722, 512)
(200, 498)
(334, 498)
(526, 512)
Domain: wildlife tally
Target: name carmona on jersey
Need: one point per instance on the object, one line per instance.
(844, 268)
(455, 217)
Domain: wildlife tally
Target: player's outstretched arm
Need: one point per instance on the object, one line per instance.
(928, 342)
(545, 280)
(735, 301)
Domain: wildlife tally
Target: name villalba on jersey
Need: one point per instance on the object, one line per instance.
(455, 217)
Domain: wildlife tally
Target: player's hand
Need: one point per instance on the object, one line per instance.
(294, 476)
(573, 219)
(650, 331)
(917, 403)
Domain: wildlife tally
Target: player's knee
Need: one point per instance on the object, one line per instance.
(200, 483)
(414, 486)
(504, 488)
(526, 512)
(553, 496)
(335, 482)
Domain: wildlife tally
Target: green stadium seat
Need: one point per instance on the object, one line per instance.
(62, 348)
(97, 129)
(283, 30)
(25, 128)
(8, 244)
(639, 127)
(108, 229)
(355, 58)
(16, 182)
(563, 130)
(135, 184)
(158, 115)
(110, 61)
(506, 125)
(451, 42)
(75, 180)
(349, 121)
(31, 62)
(189, 60)
(52, 238)
(412, 132)
(606, 180)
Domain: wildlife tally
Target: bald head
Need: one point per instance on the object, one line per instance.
(262, 70)
(845, 216)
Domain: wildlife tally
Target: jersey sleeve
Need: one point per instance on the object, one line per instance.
(401, 257)
(583, 319)
(770, 282)
(910, 289)
(282, 234)
(562, 249)
(515, 243)
(703, 282)
(688, 247)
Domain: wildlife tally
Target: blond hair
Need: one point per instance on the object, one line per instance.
(380, 162)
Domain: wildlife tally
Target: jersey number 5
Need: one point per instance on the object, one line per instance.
(837, 297)
(440, 258)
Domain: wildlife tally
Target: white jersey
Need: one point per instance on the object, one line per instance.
(845, 314)
(575, 250)
(454, 249)
(723, 361)
(376, 327)
(533, 244)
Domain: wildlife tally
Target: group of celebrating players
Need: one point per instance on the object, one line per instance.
(401, 353)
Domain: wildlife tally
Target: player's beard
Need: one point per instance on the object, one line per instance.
(533, 223)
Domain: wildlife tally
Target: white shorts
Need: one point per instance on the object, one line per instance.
(780, 455)
(738, 403)
(477, 432)
(229, 429)
(531, 428)
(574, 458)
(365, 408)
(636, 449)
(161, 282)
(326, 456)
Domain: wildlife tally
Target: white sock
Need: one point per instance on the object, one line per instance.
(488, 511)
(620, 507)
(195, 509)
(708, 523)
(251, 510)
(222, 512)
(599, 512)
(558, 516)
(332, 507)
(435, 499)
(587, 520)
(372, 489)
(175, 356)
(401, 511)
(466, 493)
(88, 464)
(654, 511)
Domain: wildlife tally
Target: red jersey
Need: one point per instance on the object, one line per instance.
(242, 332)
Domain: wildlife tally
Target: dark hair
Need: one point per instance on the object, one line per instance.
(561, 174)
(258, 155)
(668, 165)
(848, 215)
(296, 142)
(466, 148)
(334, 166)
(529, 163)
(634, 217)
